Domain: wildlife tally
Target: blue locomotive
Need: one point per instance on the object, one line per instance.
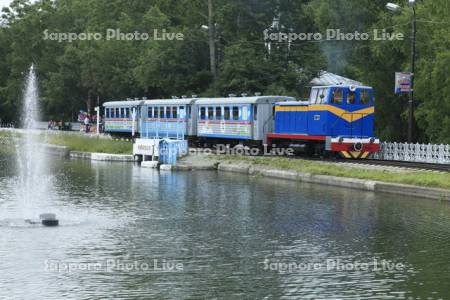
(334, 119)
(337, 119)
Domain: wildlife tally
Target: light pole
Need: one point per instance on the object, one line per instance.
(212, 42)
(395, 8)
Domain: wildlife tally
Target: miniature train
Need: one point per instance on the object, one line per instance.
(335, 119)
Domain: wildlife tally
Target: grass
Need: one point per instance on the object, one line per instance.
(77, 142)
(419, 178)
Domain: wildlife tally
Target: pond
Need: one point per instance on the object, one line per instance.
(129, 233)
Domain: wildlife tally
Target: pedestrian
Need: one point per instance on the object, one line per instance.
(86, 123)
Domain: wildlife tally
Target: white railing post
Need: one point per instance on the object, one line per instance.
(428, 153)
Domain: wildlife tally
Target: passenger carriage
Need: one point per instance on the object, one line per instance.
(118, 116)
(335, 118)
(236, 120)
(167, 118)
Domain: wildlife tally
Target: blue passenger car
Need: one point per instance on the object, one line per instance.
(118, 116)
(236, 119)
(166, 118)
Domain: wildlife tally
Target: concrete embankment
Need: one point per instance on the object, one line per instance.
(64, 151)
(102, 156)
(202, 163)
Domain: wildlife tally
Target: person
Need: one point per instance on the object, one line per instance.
(351, 97)
(86, 123)
(101, 125)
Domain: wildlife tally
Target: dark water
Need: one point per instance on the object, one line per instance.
(132, 233)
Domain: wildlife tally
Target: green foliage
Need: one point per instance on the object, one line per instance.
(76, 142)
(73, 75)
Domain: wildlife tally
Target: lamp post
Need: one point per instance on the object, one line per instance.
(211, 40)
(396, 8)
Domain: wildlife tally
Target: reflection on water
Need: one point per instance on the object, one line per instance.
(232, 235)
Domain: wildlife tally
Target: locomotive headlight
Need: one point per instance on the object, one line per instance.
(358, 146)
(372, 140)
(341, 139)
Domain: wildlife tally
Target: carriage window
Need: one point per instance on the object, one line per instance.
(364, 97)
(127, 112)
(245, 113)
(117, 113)
(255, 112)
(150, 112)
(161, 112)
(202, 113)
(337, 96)
(218, 113)
(166, 112)
(226, 115)
(351, 97)
(189, 112)
(106, 112)
(235, 113)
(210, 113)
(174, 112)
(181, 112)
(111, 113)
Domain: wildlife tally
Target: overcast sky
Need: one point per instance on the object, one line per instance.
(5, 3)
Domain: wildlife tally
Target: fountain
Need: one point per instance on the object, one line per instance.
(34, 181)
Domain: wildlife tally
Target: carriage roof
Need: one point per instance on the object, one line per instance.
(242, 100)
(182, 101)
(341, 86)
(123, 103)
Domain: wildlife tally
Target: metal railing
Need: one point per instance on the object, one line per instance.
(427, 153)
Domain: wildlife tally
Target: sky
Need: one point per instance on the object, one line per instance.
(5, 3)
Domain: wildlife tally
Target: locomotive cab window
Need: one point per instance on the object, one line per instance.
(351, 97)
(337, 97)
(364, 97)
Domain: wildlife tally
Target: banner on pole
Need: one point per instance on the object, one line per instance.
(402, 82)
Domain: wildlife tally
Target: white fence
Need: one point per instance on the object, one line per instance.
(427, 153)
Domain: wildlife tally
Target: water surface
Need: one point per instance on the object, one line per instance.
(232, 235)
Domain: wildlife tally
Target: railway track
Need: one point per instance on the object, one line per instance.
(373, 162)
(389, 163)
(404, 164)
